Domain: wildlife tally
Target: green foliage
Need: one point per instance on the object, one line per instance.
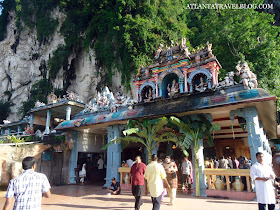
(37, 14)
(39, 91)
(28, 138)
(146, 132)
(5, 110)
(58, 60)
(125, 34)
(59, 138)
(237, 35)
(1, 141)
(16, 140)
(194, 128)
(6, 6)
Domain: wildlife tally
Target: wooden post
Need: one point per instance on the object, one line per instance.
(227, 181)
(209, 182)
(121, 179)
(248, 183)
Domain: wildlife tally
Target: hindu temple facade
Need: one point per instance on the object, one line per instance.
(178, 83)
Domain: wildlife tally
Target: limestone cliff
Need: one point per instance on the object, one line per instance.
(23, 61)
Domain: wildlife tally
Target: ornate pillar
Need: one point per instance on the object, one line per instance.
(257, 140)
(186, 81)
(160, 89)
(74, 157)
(113, 154)
(47, 129)
(191, 87)
(209, 83)
(156, 85)
(18, 130)
(181, 82)
(214, 75)
(31, 121)
(68, 112)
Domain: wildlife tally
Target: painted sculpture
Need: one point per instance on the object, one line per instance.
(107, 101)
(52, 98)
(202, 86)
(173, 89)
(247, 77)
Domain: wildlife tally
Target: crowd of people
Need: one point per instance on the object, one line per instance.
(241, 162)
(165, 173)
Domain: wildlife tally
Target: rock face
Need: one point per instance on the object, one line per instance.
(11, 159)
(23, 60)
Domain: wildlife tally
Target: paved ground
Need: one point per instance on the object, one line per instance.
(94, 197)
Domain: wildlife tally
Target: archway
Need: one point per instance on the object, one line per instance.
(147, 93)
(200, 82)
(167, 81)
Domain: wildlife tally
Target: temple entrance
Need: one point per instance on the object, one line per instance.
(133, 150)
(94, 175)
(168, 82)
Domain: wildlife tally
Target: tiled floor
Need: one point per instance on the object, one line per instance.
(94, 197)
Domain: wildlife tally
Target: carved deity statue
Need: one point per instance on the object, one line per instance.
(38, 104)
(197, 55)
(52, 98)
(201, 87)
(209, 49)
(173, 89)
(185, 48)
(70, 95)
(159, 51)
(228, 80)
(247, 77)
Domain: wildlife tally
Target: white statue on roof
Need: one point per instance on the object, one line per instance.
(247, 77)
(39, 104)
(107, 101)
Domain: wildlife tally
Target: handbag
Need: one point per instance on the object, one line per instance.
(174, 175)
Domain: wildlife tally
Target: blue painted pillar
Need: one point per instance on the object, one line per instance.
(31, 120)
(68, 112)
(202, 177)
(48, 121)
(9, 130)
(74, 157)
(181, 82)
(160, 89)
(18, 130)
(257, 140)
(113, 154)
(2, 132)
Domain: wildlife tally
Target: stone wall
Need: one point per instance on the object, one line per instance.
(11, 159)
(56, 169)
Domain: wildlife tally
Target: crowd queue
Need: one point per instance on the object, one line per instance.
(160, 176)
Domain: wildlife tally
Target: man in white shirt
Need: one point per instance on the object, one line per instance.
(100, 163)
(129, 162)
(154, 175)
(186, 169)
(263, 176)
(28, 188)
